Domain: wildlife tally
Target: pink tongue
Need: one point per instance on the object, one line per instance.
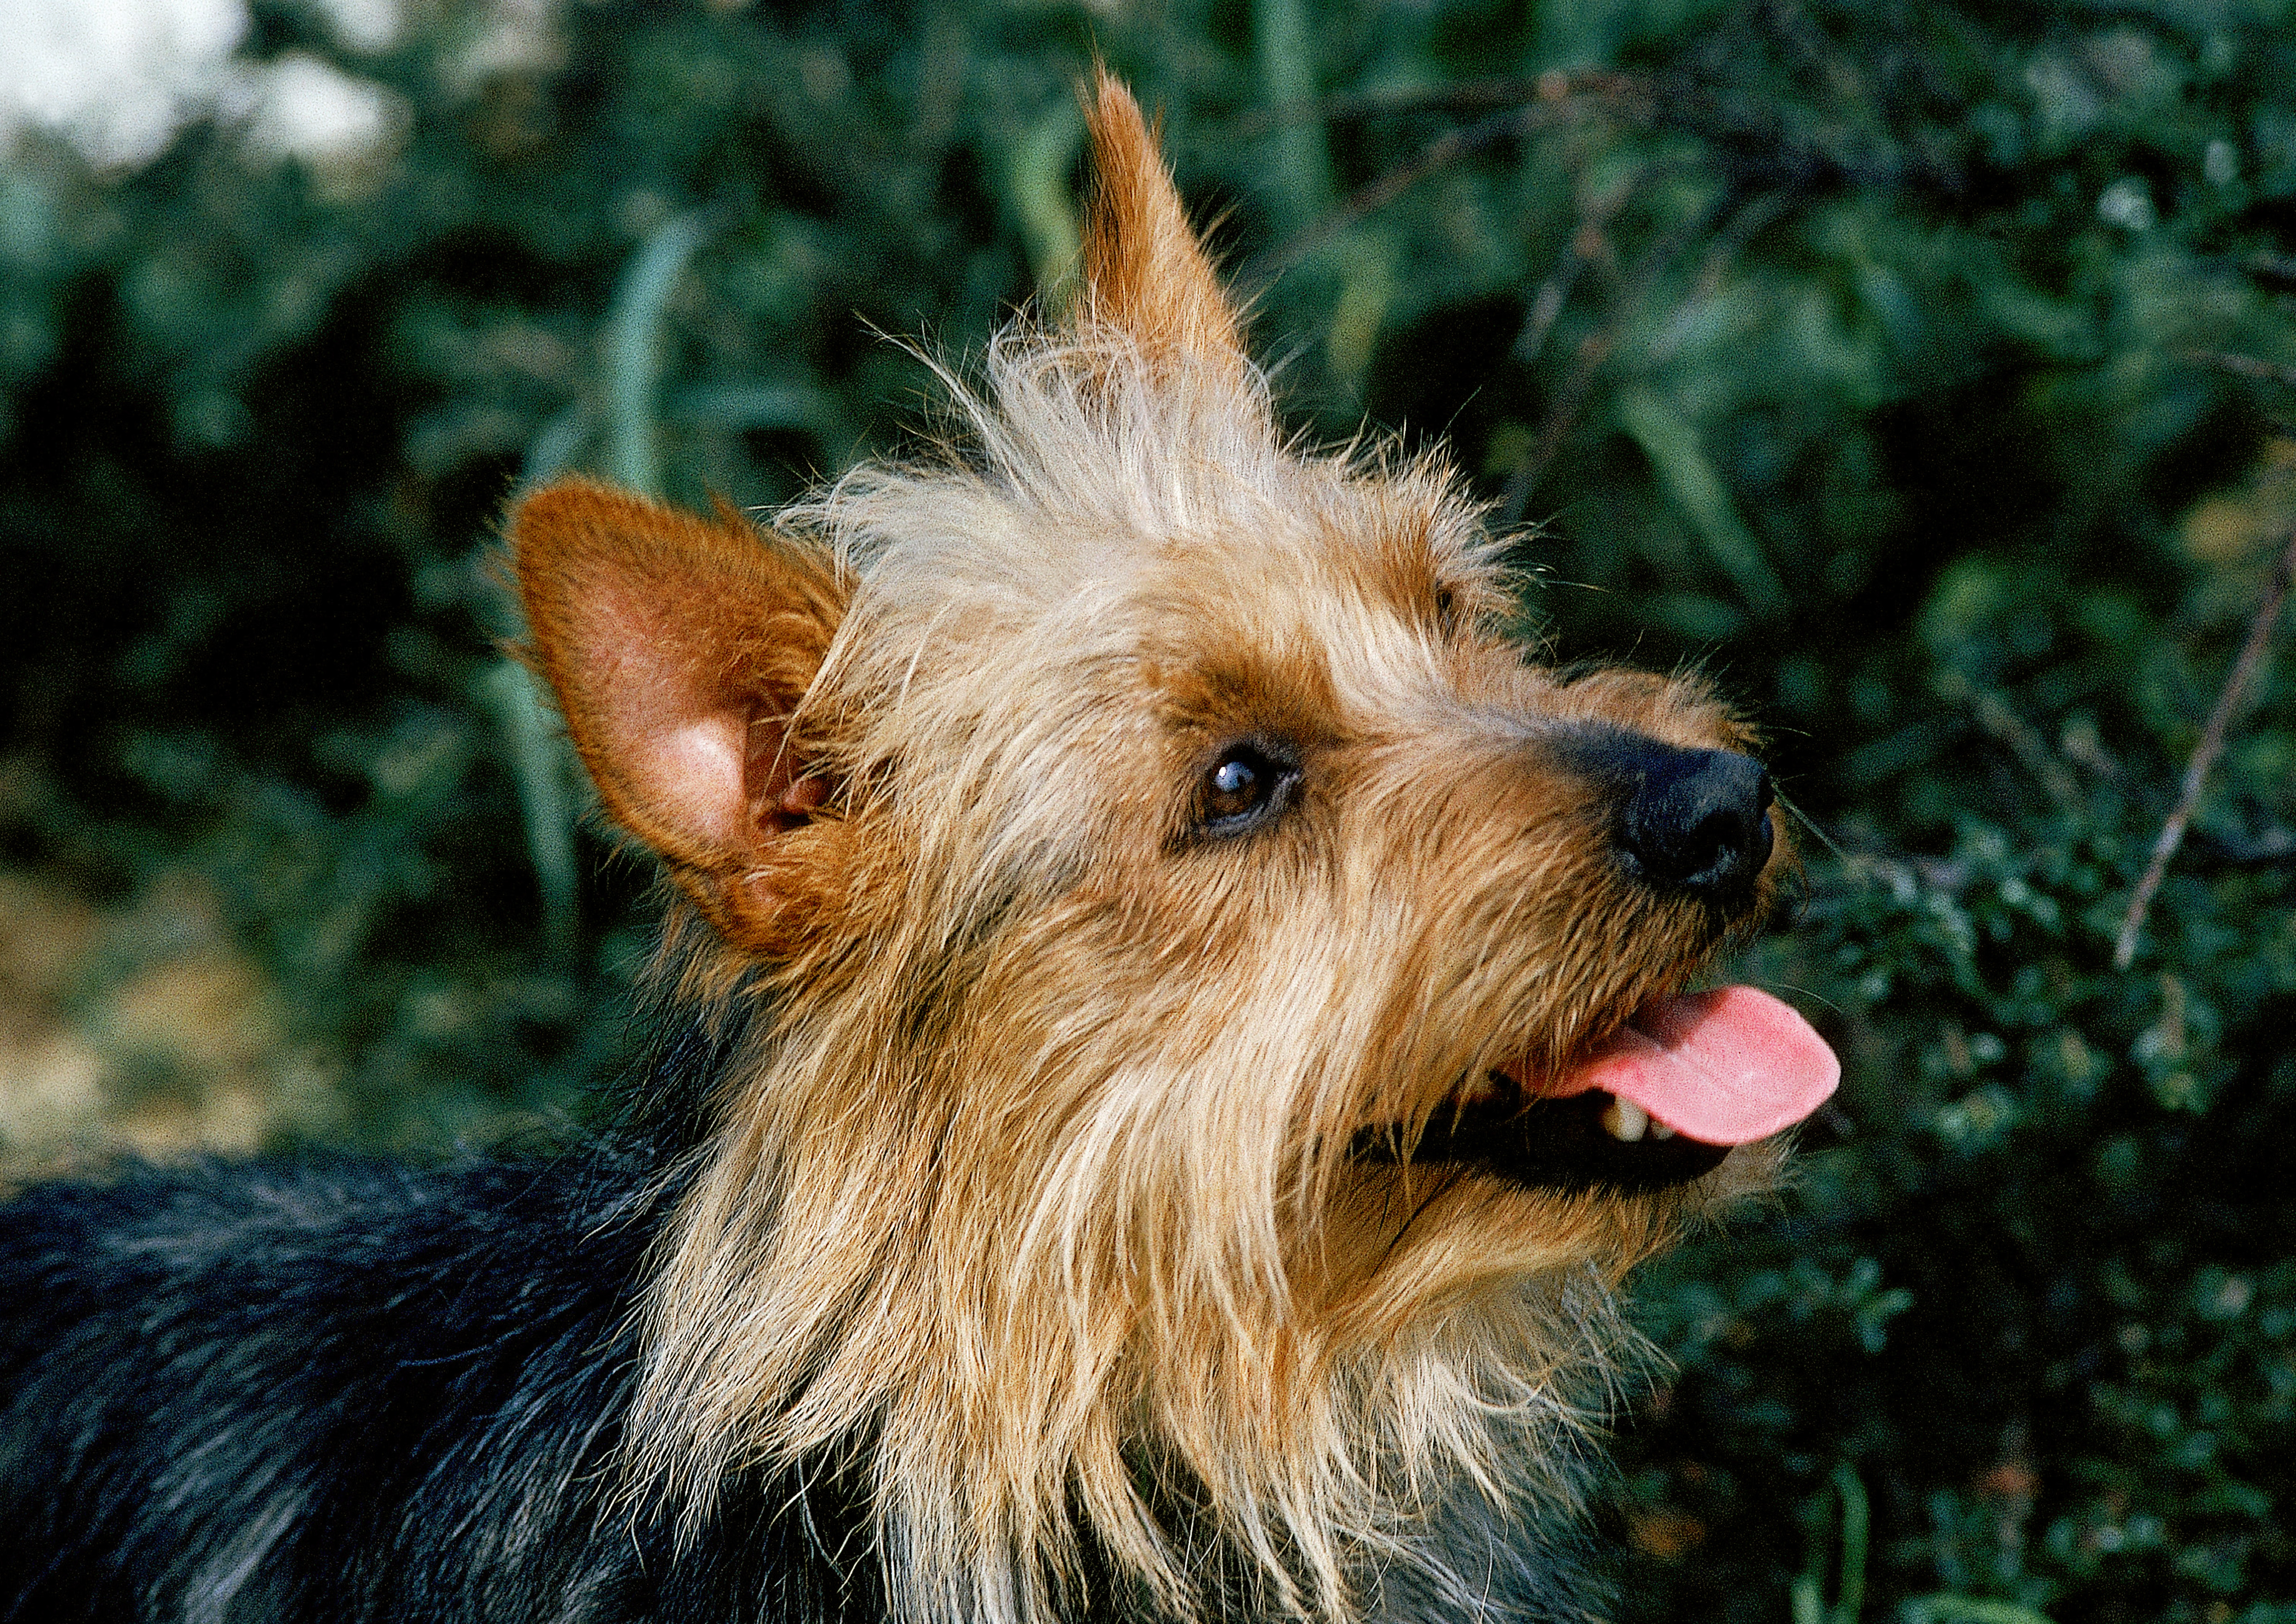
(1723, 1067)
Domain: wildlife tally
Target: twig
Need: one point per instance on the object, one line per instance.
(2025, 741)
(2204, 755)
(1385, 187)
(1753, 150)
(2277, 268)
(1593, 349)
(1473, 96)
(2245, 366)
(1741, 229)
(1757, 144)
(2083, 747)
(1583, 246)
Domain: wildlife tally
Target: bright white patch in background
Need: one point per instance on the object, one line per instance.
(518, 38)
(365, 25)
(2128, 203)
(119, 78)
(308, 109)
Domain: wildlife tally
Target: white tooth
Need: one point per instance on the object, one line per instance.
(1659, 1130)
(1625, 1120)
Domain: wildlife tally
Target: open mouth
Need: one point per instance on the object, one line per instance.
(1659, 1102)
(1589, 1141)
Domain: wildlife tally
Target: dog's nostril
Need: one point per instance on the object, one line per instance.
(1697, 819)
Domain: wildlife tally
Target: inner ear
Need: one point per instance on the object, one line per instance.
(679, 649)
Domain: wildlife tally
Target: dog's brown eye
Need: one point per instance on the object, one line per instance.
(1243, 787)
(1237, 785)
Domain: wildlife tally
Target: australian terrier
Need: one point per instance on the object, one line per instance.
(1174, 1030)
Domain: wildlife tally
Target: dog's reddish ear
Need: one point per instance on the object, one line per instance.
(1144, 269)
(679, 648)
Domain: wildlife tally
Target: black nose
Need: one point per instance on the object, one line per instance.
(1692, 820)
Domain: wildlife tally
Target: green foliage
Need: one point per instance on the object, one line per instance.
(1920, 372)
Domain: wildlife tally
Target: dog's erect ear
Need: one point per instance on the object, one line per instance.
(679, 648)
(1144, 270)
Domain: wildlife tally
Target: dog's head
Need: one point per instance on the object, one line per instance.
(1224, 1016)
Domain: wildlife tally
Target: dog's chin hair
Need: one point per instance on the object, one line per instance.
(1045, 1412)
(1498, 1405)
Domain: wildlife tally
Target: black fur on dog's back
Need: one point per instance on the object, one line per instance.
(353, 1390)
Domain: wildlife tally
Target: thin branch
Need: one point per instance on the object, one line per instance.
(1594, 350)
(1383, 188)
(1754, 147)
(2276, 268)
(1742, 228)
(1562, 413)
(2211, 745)
(2244, 366)
(2025, 741)
(1759, 145)
(1584, 244)
(2083, 747)
(1473, 96)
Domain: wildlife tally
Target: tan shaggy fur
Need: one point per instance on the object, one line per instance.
(1031, 1198)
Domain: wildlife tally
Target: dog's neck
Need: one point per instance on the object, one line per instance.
(1477, 1523)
